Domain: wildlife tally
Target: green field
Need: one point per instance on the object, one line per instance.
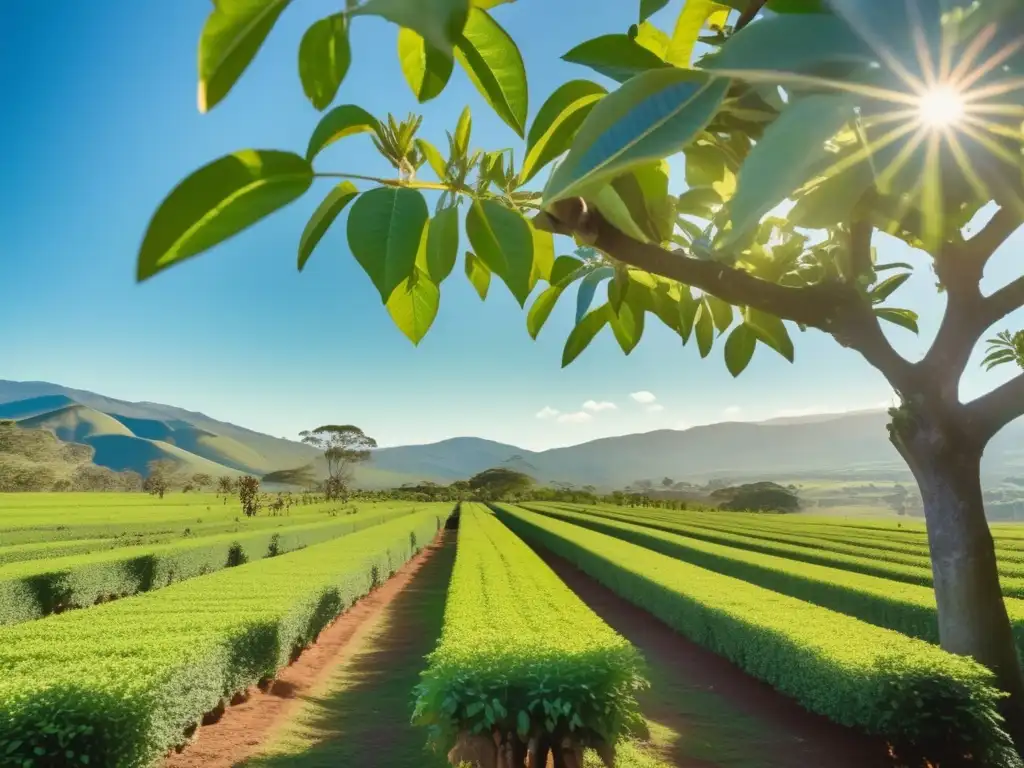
(166, 609)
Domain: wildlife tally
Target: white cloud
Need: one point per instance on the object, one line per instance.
(732, 411)
(597, 407)
(547, 412)
(579, 417)
(643, 397)
(656, 408)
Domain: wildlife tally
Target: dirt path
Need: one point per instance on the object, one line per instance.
(704, 712)
(244, 727)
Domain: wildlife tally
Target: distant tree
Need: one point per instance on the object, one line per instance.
(499, 482)
(344, 446)
(201, 480)
(226, 485)
(159, 476)
(667, 482)
(249, 495)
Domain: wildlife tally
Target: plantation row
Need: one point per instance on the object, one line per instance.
(906, 608)
(926, 702)
(521, 655)
(132, 679)
(1013, 586)
(35, 588)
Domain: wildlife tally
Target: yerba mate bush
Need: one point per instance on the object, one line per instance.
(521, 657)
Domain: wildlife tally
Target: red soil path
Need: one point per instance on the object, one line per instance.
(703, 697)
(244, 726)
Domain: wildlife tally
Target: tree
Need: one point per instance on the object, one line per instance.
(225, 485)
(159, 477)
(344, 446)
(249, 495)
(499, 482)
(201, 480)
(894, 120)
(667, 482)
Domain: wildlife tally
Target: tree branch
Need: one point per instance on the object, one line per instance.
(748, 15)
(1003, 223)
(1007, 299)
(991, 412)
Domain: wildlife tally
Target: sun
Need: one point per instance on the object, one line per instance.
(941, 106)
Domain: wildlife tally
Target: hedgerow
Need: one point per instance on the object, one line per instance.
(128, 680)
(903, 607)
(520, 653)
(36, 588)
(926, 702)
(1012, 586)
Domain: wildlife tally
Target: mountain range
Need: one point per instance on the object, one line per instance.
(849, 447)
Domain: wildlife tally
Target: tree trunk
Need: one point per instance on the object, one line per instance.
(972, 615)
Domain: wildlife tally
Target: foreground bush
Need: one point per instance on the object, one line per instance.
(520, 655)
(929, 704)
(127, 681)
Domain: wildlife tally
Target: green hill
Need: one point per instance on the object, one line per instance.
(75, 424)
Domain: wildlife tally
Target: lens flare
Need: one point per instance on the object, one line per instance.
(941, 106)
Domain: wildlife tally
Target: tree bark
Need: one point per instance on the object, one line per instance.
(945, 459)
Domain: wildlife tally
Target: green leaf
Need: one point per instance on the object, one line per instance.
(770, 330)
(495, 66)
(219, 201)
(610, 204)
(434, 159)
(324, 57)
(556, 124)
(443, 244)
(650, 7)
(502, 238)
(426, 68)
(344, 120)
(564, 267)
(653, 39)
(588, 287)
(688, 307)
(887, 287)
(789, 43)
(698, 201)
(690, 22)
(833, 199)
(478, 273)
(385, 227)
(904, 318)
(523, 724)
(541, 309)
(584, 332)
(413, 305)
(652, 116)
(739, 349)
(463, 131)
(323, 217)
(439, 22)
(618, 57)
(721, 312)
(627, 325)
(231, 36)
(543, 256)
(704, 329)
(784, 157)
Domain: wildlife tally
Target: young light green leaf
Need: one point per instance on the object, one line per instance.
(543, 256)
(541, 309)
(413, 305)
(478, 273)
(584, 332)
(690, 22)
(323, 217)
(698, 201)
(688, 307)
(627, 325)
(650, 7)
(651, 117)
(739, 349)
(618, 57)
(704, 329)
(887, 287)
(588, 287)
(439, 22)
(487, 4)
(345, 120)
(324, 57)
(464, 131)
(434, 158)
(721, 312)
(653, 39)
(769, 330)
(904, 318)
(443, 244)
(610, 204)
(218, 201)
(784, 157)
(833, 199)
(763, 50)
(557, 122)
(495, 67)
(564, 268)
(231, 36)
(502, 238)
(427, 69)
(385, 227)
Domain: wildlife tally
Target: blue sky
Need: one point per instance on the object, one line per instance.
(101, 123)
